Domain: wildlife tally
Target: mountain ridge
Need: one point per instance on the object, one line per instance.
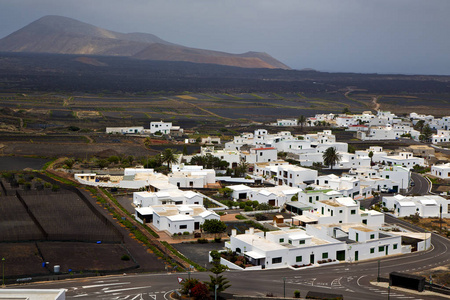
(62, 35)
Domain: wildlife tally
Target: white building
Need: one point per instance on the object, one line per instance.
(425, 206)
(342, 210)
(162, 127)
(442, 136)
(184, 176)
(133, 178)
(405, 159)
(285, 122)
(442, 171)
(173, 196)
(125, 130)
(180, 218)
(258, 155)
(33, 294)
(319, 244)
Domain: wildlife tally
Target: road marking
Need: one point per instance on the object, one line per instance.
(106, 284)
(83, 295)
(137, 296)
(128, 289)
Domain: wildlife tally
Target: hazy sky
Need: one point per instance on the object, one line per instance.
(382, 36)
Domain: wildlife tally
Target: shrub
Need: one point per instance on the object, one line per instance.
(241, 205)
(240, 217)
(248, 208)
(186, 233)
(202, 241)
(125, 257)
(217, 239)
(200, 291)
(297, 294)
(55, 187)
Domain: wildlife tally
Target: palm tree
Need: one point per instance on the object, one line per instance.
(169, 157)
(331, 157)
(301, 120)
(371, 160)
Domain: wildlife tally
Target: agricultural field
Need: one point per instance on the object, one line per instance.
(43, 222)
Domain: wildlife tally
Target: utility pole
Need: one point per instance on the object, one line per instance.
(284, 287)
(440, 219)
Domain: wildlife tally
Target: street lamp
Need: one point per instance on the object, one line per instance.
(284, 287)
(215, 291)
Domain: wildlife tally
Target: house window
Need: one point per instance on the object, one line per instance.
(380, 248)
(310, 199)
(395, 246)
(277, 260)
(324, 255)
(372, 236)
(298, 259)
(281, 240)
(340, 211)
(372, 250)
(302, 242)
(290, 242)
(183, 226)
(353, 211)
(317, 198)
(357, 237)
(387, 176)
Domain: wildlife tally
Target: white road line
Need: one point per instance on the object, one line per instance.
(137, 296)
(128, 289)
(83, 295)
(100, 285)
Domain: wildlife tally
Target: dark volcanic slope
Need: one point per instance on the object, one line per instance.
(61, 35)
(75, 73)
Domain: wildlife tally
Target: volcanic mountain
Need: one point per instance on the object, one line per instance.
(61, 35)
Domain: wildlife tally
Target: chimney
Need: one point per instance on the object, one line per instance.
(252, 230)
(233, 232)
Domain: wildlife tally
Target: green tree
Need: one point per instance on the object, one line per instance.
(427, 133)
(331, 157)
(218, 279)
(226, 191)
(185, 150)
(371, 158)
(419, 125)
(169, 157)
(214, 226)
(346, 111)
(301, 121)
(69, 163)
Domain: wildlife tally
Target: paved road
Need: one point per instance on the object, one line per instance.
(350, 279)
(421, 185)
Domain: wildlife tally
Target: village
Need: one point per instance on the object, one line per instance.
(326, 204)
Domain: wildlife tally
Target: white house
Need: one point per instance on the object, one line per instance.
(442, 136)
(275, 196)
(163, 127)
(405, 159)
(425, 206)
(442, 171)
(181, 218)
(125, 130)
(184, 176)
(174, 196)
(133, 178)
(343, 210)
(258, 155)
(285, 122)
(318, 245)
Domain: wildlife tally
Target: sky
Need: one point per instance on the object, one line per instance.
(362, 36)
